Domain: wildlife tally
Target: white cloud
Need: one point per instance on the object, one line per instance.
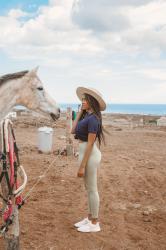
(104, 16)
(17, 13)
(50, 32)
(101, 19)
(113, 45)
(153, 73)
(125, 25)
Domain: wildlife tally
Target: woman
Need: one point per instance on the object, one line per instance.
(87, 128)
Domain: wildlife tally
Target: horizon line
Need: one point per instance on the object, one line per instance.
(118, 103)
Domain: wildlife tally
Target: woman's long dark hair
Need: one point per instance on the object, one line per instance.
(96, 111)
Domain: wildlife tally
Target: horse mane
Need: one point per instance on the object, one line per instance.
(12, 76)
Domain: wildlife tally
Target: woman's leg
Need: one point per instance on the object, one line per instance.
(94, 201)
(91, 184)
(82, 148)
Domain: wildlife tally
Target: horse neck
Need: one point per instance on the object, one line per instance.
(9, 95)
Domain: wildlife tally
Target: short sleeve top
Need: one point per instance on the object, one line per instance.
(89, 124)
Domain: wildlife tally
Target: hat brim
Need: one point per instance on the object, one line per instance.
(80, 91)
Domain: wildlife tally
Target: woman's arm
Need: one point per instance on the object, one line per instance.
(91, 140)
(79, 114)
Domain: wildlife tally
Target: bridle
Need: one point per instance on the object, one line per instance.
(10, 168)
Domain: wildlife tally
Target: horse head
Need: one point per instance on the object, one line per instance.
(34, 96)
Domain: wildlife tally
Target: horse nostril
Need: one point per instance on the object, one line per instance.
(59, 110)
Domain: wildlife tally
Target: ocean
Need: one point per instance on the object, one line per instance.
(142, 109)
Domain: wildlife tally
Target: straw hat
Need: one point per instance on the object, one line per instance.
(80, 91)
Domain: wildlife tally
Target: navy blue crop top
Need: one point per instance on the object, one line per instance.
(89, 124)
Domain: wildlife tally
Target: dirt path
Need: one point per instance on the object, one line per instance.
(132, 185)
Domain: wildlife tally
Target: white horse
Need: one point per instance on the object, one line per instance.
(25, 88)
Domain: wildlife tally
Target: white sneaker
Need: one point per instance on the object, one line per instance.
(89, 227)
(82, 222)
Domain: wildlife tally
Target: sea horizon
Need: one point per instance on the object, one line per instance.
(121, 108)
(124, 108)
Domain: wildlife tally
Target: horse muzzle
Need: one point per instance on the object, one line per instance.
(55, 116)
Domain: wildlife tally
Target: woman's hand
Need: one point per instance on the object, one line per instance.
(81, 172)
(79, 114)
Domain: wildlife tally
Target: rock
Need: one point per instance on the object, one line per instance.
(136, 205)
(145, 213)
(56, 152)
(63, 137)
(150, 167)
(23, 232)
(76, 154)
(147, 219)
(118, 129)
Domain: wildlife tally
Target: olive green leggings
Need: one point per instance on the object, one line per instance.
(90, 178)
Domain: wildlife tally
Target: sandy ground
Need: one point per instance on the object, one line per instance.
(132, 187)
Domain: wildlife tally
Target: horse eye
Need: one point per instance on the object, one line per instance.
(40, 88)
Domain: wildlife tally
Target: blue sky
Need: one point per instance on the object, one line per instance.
(27, 5)
(115, 46)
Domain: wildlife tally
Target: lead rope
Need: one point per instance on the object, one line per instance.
(28, 194)
(4, 228)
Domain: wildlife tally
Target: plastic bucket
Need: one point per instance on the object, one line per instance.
(45, 135)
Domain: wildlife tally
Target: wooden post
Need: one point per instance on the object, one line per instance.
(12, 236)
(69, 142)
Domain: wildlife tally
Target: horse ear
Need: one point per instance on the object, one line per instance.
(33, 71)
